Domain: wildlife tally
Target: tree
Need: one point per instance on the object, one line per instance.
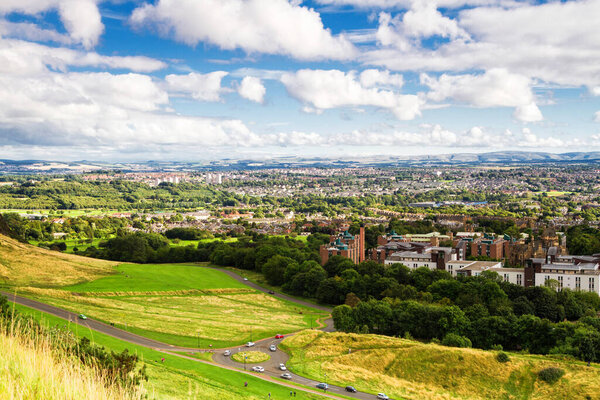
(342, 318)
(274, 269)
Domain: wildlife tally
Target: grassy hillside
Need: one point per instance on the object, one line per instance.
(185, 305)
(26, 265)
(179, 378)
(29, 370)
(412, 370)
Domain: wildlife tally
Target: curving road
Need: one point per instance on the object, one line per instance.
(271, 366)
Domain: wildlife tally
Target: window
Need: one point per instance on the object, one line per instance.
(415, 265)
(505, 277)
(519, 279)
(577, 282)
(560, 282)
(591, 283)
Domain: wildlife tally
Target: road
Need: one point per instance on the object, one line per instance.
(271, 366)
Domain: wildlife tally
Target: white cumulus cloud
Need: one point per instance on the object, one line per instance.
(204, 87)
(251, 88)
(81, 18)
(326, 89)
(256, 26)
(494, 88)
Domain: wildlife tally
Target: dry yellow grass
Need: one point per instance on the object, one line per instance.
(413, 370)
(29, 370)
(253, 357)
(230, 317)
(23, 265)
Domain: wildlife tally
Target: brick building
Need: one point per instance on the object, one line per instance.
(346, 245)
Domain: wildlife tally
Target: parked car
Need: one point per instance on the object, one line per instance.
(382, 396)
(282, 367)
(278, 336)
(227, 353)
(82, 316)
(245, 279)
(258, 368)
(286, 375)
(250, 344)
(350, 389)
(323, 386)
(272, 347)
(271, 292)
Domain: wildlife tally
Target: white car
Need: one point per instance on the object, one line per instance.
(282, 367)
(250, 344)
(382, 396)
(227, 353)
(258, 368)
(286, 375)
(272, 347)
(245, 279)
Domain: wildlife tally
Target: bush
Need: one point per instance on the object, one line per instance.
(454, 340)
(551, 375)
(502, 357)
(497, 347)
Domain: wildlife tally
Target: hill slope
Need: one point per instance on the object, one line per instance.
(29, 370)
(409, 369)
(25, 265)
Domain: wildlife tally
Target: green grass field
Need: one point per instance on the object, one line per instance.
(413, 370)
(159, 277)
(183, 305)
(179, 378)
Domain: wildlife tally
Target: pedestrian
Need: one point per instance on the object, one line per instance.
(290, 393)
(294, 393)
(245, 384)
(269, 394)
(162, 360)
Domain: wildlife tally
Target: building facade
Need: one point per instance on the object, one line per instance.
(346, 245)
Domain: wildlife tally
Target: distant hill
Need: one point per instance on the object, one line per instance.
(382, 160)
(22, 265)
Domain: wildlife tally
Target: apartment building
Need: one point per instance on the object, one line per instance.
(579, 273)
(346, 245)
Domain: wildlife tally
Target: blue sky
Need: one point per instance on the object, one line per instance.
(207, 79)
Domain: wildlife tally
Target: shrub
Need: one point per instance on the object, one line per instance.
(502, 357)
(551, 374)
(497, 347)
(454, 340)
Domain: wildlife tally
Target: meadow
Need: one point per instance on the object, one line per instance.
(413, 370)
(184, 305)
(180, 378)
(30, 369)
(25, 265)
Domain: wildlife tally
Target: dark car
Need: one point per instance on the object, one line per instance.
(323, 386)
(271, 292)
(350, 389)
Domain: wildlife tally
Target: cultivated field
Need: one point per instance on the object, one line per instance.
(184, 305)
(25, 265)
(412, 370)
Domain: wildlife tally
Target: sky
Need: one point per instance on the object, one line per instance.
(188, 80)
